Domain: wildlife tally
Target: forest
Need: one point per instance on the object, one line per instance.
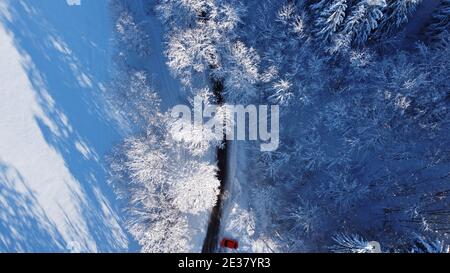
(363, 88)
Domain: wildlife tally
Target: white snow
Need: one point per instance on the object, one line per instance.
(73, 2)
(53, 136)
(236, 221)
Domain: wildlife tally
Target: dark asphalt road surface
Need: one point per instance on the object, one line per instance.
(212, 235)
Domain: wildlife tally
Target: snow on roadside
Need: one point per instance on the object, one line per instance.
(238, 221)
(245, 215)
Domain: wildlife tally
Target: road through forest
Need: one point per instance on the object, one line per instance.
(212, 233)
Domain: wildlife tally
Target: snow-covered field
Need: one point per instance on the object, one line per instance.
(54, 132)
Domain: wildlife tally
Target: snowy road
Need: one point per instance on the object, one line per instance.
(210, 243)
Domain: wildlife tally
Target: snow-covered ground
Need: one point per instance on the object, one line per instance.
(236, 201)
(238, 221)
(167, 87)
(54, 130)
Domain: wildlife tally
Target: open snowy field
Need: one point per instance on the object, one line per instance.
(54, 128)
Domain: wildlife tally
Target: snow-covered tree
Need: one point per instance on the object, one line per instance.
(363, 19)
(162, 182)
(161, 178)
(282, 92)
(197, 188)
(191, 183)
(134, 97)
(129, 33)
(318, 6)
(353, 243)
(423, 245)
(191, 51)
(196, 137)
(396, 14)
(329, 20)
(183, 13)
(244, 222)
(240, 73)
(343, 191)
(272, 163)
(305, 217)
(151, 218)
(206, 41)
(438, 31)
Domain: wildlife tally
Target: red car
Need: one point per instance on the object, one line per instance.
(229, 243)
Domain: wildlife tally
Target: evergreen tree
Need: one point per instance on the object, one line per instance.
(424, 245)
(396, 14)
(362, 20)
(353, 243)
(329, 20)
(438, 31)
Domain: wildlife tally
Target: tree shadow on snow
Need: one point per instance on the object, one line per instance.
(19, 229)
(68, 48)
